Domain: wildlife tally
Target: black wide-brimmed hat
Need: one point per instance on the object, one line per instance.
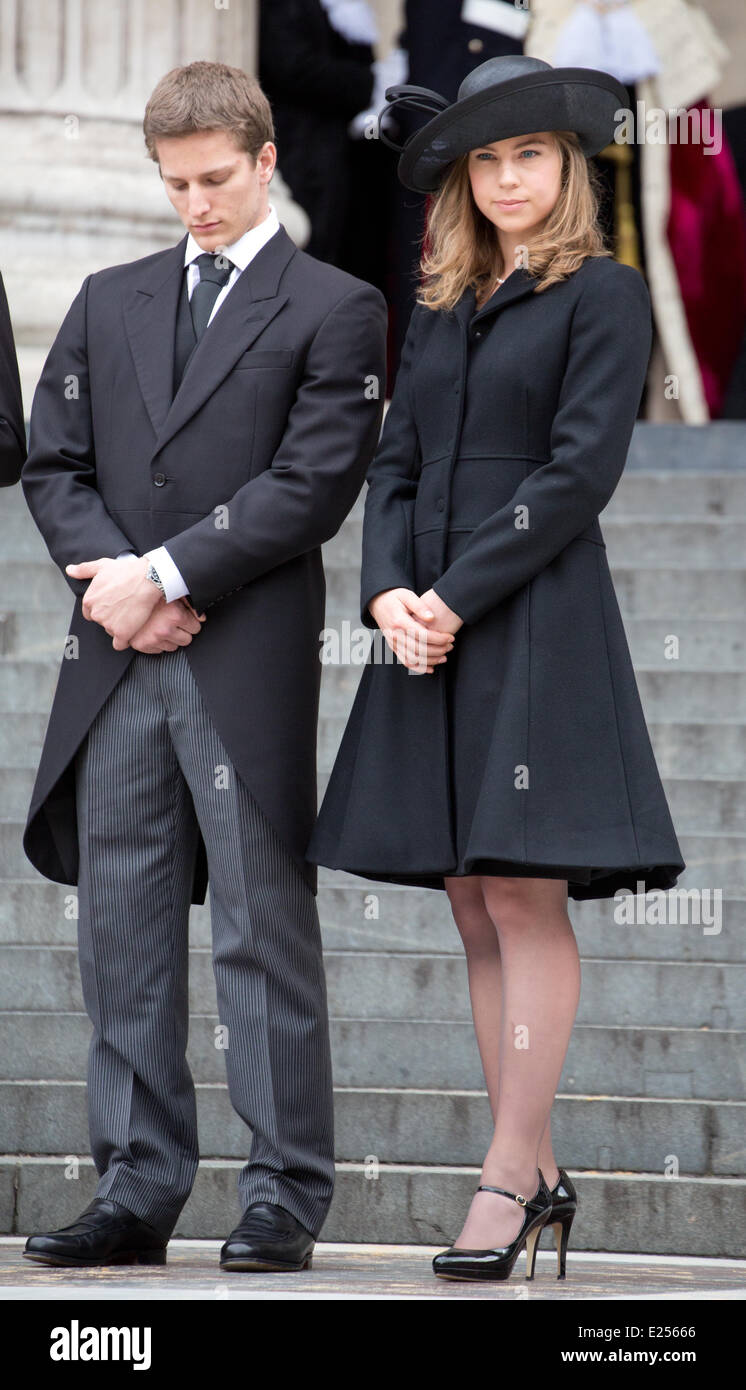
(506, 96)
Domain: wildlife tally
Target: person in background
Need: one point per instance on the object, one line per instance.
(12, 428)
(318, 67)
(682, 220)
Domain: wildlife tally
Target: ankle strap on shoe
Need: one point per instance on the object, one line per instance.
(522, 1201)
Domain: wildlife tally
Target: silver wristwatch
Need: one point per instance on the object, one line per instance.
(155, 578)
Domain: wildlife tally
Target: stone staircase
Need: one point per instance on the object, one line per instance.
(649, 1118)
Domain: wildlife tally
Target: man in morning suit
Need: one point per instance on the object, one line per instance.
(203, 423)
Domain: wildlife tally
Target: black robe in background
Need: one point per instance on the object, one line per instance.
(316, 82)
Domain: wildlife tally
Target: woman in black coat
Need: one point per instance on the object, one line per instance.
(515, 768)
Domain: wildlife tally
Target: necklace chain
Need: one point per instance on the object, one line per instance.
(490, 291)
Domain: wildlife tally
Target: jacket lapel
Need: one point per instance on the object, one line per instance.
(150, 321)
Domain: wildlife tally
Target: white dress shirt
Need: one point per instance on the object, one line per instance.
(240, 253)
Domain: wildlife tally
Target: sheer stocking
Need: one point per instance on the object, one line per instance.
(524, 984)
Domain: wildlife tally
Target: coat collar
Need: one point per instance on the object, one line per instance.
(150, 309)
(521, 282)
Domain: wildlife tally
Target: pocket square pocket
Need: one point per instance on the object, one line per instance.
(266, 357)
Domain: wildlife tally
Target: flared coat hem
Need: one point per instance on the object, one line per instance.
(582, 883)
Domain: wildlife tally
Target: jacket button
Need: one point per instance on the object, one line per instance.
(159, 479)
(440, 504)
(457, 386)
(477, 332)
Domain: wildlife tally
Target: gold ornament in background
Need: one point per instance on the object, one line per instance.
(626, 241)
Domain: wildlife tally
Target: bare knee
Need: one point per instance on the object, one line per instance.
(513, 903)
(475, 926)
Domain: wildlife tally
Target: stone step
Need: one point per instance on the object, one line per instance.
(33, 584)
(670, 697)
(35, 638)
(718, 447)
(712, 859)
(696, 802)
(37, 603)
(663, 644)
(697, 496)
(27, 685)
(21, 739)
(649, 539)
(411, 1126)
(423, 986)
(416, 1204)
(693, 740)
(652, 543)
(694, 471)
(393, 918)
(681, 1063)
(698, 751)
(684, 750)
(693, 749)
(644, 593)
(390, 917)
(699, 470)
(673, 695)
(708, 805)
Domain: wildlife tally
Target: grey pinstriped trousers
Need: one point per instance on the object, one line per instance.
(151, 770)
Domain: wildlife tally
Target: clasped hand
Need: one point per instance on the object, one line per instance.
(419, 628)
(131, 608)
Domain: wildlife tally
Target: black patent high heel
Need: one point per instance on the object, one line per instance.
(564, 1205)
(455, 1263)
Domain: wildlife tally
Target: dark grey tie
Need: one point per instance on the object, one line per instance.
(212, 278)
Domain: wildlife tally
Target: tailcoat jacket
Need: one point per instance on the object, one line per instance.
(12, 427)
(526, 753)
(243, 474)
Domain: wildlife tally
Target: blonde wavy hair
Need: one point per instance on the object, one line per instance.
(460, 246)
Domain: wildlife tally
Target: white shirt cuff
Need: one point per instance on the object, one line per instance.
(168, 572)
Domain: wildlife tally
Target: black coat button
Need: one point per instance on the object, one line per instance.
(159, 479)
(440, 504)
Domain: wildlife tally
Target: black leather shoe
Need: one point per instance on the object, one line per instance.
(106, 1233)
(267, 1237)
(564, 1205)
(457, 1263)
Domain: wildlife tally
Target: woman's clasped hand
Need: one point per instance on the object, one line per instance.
(419, 628)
